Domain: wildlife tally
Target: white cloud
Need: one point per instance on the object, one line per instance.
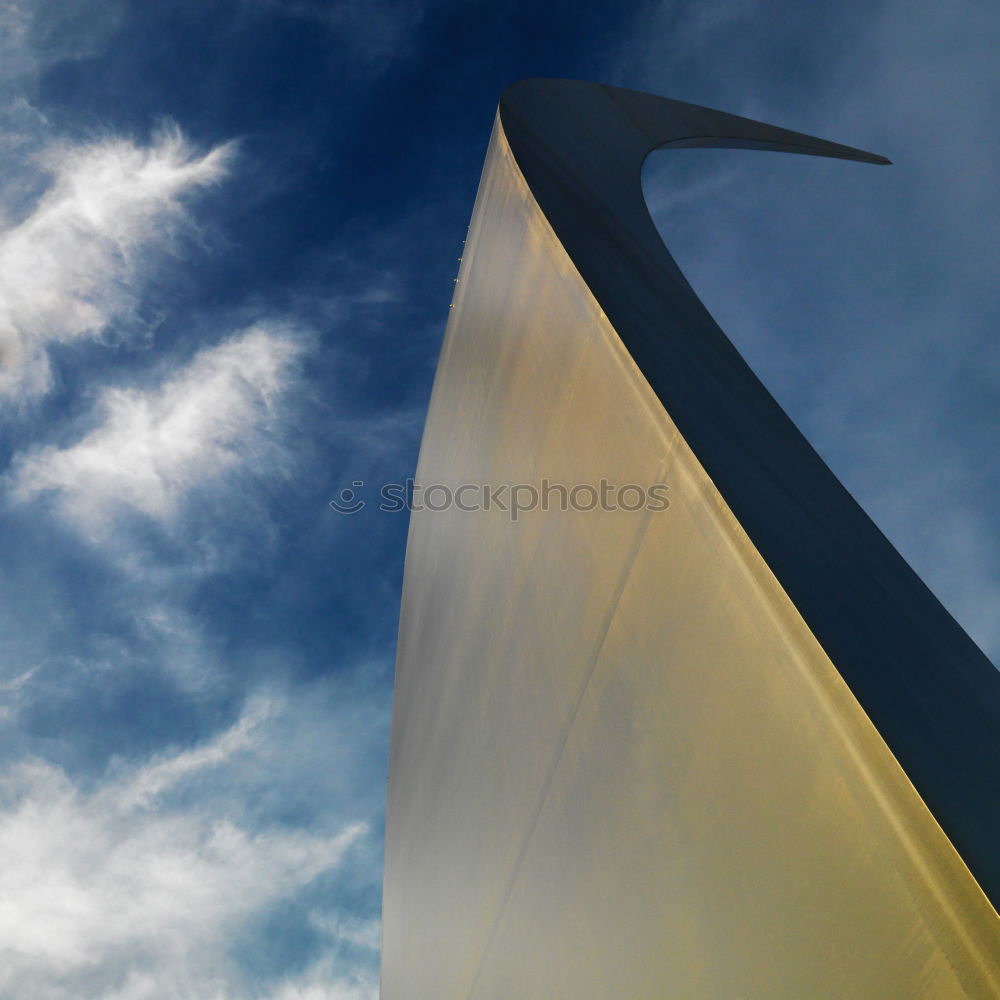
(73, 265)
(363, 933)
(16, 57)
(114, 892)
(163, 773)
(37, 33)
(153, 446)
(320, 982)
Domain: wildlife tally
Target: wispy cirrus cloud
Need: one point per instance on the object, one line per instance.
(34, 33)
(135, 887)
(75, 262)
(323, 981)
(151, 447)
(16, 56)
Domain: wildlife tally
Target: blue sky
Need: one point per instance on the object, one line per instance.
(228, 232)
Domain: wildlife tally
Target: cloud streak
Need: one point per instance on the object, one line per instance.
(74, 264)
(151, 447)
(119, 891)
